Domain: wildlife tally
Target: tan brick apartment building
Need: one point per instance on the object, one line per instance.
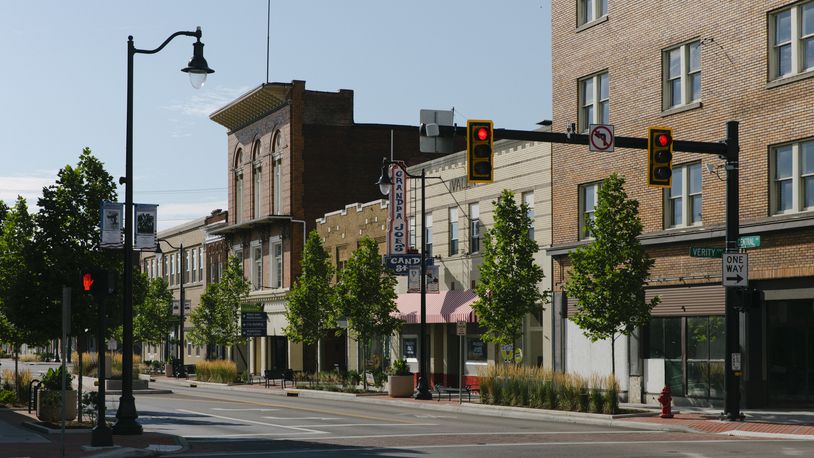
(693, 66)
(294, 154)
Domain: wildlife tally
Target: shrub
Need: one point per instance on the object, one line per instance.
(52, 380)
(217, 371)
(399, 367)
(354, 378)
(7, 397)
(611, 395)
(30, 358)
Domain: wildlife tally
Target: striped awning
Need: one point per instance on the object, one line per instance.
(444, 307)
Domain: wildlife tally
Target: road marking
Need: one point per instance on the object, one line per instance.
(258, 409)
(330, 425)
(240, 420)
(536, 433)
(300, 418)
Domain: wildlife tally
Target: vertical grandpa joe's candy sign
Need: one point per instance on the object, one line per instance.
(398, 232)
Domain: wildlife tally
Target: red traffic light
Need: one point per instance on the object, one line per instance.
(663, 139)
(482, 133)
(87, 282)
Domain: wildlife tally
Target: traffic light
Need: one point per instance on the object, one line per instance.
(659, 157)
(480, 152)
(95, 282)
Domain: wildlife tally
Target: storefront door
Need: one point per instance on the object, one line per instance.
(790, 352)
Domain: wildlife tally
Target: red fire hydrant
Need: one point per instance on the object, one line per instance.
(666, 402)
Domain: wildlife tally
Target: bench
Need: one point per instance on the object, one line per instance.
(283, 375)
(441, 390)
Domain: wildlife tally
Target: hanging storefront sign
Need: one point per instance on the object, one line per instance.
(110, 223)
(146, 233)
(398, 231)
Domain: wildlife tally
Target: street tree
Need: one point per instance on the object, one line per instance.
(509, 286)
(68, 238)
(366, 295)
(152, 318)
(310, 311)
(216, 320)
(608, 275)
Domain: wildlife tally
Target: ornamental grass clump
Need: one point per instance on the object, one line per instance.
(216, 371)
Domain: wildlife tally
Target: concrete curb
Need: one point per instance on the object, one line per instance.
(45, 430)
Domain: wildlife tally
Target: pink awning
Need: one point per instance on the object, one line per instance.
(444, 307)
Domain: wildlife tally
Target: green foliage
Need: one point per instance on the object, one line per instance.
(607, 276)
(310, 311)
(152, 318)
(400, 367)
(216, 371)
(509, 286)
(216, 320)
(366, 295)
(52, 380)
(7, 397)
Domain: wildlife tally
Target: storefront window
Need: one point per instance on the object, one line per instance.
(409, 348)
(475, 349)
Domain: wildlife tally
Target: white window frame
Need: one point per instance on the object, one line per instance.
(412, 232)
(686, 197)
(583, 189)
(453, 231)
(200, 263)
(427, 238)
(257, 265)
(474, 228)
(276, 262)
(596, 102)
(796, 42)
(528, 199)
(685, 74)
(798, 177)
(257, 186)
(591, 10)
(278, 185)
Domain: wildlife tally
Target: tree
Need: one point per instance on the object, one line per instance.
(68, 238)
(216, 320)
(366, 295)
(607, 276)
(508, 289)
(310, 311)
(152, 318)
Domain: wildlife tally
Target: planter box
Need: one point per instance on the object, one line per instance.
(400, 386)
(49, 405)
(116, 385)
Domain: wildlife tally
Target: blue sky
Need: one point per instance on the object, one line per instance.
(63, 74)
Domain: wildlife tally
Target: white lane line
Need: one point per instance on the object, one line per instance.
(534, 433)
(241, 420)
(331, 425)
(258, 409)
(302, 418)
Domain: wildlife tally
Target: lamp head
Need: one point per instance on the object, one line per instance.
(384, 180)
(197, 66)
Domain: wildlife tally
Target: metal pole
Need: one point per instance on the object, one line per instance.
(182, 370)
(423, 391)
(66, 323)
(732, 318)
(127, 414)
(101, 435)
(461, 367)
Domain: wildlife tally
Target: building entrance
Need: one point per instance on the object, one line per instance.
(790, 352)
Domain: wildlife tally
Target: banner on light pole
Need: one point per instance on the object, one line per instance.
(146, 235)
(110, 224)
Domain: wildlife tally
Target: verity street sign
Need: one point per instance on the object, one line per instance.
(749, 241)
(600, 138)
(735, 269)
(697, 252)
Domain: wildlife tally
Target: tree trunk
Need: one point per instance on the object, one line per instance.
(319, 355)
(364, 364)
(613, 355)
(79, 381)
(17, 372)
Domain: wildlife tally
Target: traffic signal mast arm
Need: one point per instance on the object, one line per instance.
(719, 148)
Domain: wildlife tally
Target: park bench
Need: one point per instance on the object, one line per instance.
(441, 390)
(283, 375)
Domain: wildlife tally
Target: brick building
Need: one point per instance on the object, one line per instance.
(294, 154)
(693, 66)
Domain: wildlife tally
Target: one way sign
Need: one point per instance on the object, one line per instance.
(735, 269)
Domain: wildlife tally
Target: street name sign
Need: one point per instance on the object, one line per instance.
(697, 252)
(600, 138)
(735, 269)
(749, 241)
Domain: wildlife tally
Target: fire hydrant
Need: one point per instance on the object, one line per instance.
(666, 403)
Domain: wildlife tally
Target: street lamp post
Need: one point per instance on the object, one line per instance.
(182, 371)
(197, 69)
(423, 389)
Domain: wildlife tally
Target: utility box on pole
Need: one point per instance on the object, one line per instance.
(431, 139)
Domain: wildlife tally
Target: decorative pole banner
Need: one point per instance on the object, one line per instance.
(399, 228)
(110, 224)
(146, 234)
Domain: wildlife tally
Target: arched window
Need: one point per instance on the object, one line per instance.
(239, 186)
(277, 157)
(257, 180)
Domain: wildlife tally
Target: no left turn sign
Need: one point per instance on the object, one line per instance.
(600, 138)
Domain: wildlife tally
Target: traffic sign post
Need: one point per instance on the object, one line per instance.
(461, 331)
(600, 138)
(735, 268)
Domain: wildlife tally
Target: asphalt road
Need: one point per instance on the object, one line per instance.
(218, 422)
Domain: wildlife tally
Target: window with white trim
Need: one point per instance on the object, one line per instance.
(591, 10)
(593, 100)
(257, 266)
(791, 40)
(278, 186)
(200, 263)
(682, 75)
(588, 195)
(428, 235)
(453, 231)
(257, 180)
(528, 199)
(683, 201)
(792, 172)
(239, 187)
(412, 232)
(276, 263)
(187, 266)
(474, 228)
